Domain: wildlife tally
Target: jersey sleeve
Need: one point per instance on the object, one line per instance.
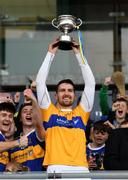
(87, 98)
(42, 92)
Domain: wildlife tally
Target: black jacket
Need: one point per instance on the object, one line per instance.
(116, 150)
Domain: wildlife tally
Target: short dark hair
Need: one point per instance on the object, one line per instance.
(7, 106)
(68, 81)
(101, 127)
(121, 99)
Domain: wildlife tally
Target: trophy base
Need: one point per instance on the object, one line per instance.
(64, 45)
(65, 42)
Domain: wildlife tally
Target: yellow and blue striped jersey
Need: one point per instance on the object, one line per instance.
(65, 136)
(4, 156)
(30, 156)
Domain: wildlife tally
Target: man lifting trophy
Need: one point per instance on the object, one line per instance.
(66, 24)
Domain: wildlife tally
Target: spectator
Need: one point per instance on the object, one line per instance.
(95, 149)
(7, 111)
(32, 127)
(118, 80)
(116, 157)
(120, 109)
(65, 125)
(115, 115)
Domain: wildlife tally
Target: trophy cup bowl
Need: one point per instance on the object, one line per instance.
(66, 24)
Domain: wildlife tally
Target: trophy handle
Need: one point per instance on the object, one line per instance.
(79, 22)
(54, 23)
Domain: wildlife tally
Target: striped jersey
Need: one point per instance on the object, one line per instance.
(65, 136)
(30, 156)
(4, 156)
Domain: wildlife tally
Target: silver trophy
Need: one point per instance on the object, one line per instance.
(66, 24)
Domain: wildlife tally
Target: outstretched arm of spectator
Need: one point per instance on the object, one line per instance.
(103, 96)
(22, 142)
(17, 98)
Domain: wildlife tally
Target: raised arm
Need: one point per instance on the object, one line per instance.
(42, 92)
(103, 96)
(36, 115)
(87, 98)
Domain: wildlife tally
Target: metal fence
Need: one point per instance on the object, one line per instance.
(100, 175)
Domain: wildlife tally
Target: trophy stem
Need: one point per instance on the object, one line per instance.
(66, 31)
